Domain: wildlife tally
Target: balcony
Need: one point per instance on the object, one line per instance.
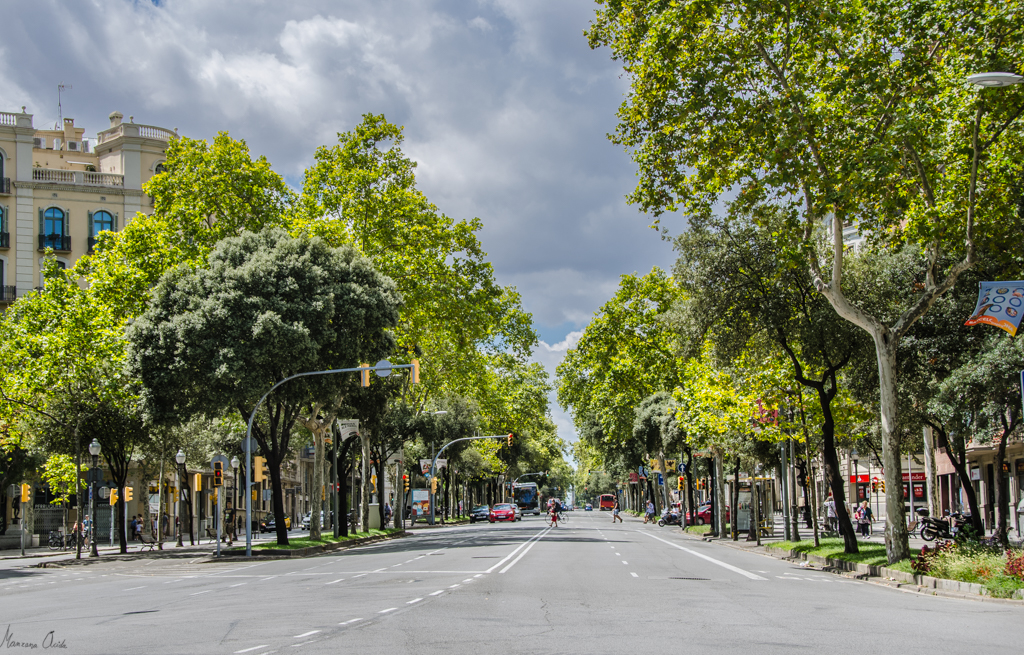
(59, 242)
(5, 186)
(8, 294)
(82, 178)
(136, 130)
(5, 239)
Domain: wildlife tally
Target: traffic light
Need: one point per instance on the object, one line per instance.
(257, 469)
(433, 485)
(254, 495)
(128, 494)
(874, 486)
(113, 496)
(881, 486)
(373, 482)
(25, 491)
(405, 482)
(414, 378)
(197, 485)
(364, 375)
(681, 480)
(218, 474)
(510, 439)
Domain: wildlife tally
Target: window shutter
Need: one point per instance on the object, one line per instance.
(3, 222)
(90, 225)
(67, 223)
(42, 229)
(115, 221)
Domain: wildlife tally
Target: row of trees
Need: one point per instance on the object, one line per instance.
(168, 335)
(806, 119)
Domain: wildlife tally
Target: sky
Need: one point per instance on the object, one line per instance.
(505, 107)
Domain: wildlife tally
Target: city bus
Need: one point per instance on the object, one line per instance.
(606, 502)
(527, 497)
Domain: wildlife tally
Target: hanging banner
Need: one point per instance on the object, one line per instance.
(1000, 305)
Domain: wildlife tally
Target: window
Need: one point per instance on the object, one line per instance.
(101, 220)
(53, 222)
(160, 168)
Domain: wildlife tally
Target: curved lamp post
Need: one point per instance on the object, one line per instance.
(94, 450)
(180, 459)
(994, 80)
(234, 504)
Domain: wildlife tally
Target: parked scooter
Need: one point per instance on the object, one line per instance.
(668, 519)
(944, 528)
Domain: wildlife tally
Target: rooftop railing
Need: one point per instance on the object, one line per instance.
(87, 178)
(135, 129)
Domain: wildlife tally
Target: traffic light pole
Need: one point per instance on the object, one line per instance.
(433, 464)
(252, 417)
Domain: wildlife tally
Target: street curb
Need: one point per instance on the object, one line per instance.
(298, 553)
(922, 584)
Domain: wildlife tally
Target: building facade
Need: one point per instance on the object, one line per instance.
(59, 189)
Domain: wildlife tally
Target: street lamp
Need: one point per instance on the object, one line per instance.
(94, 450)
(994, 80)
(180, 459)
(234, 503)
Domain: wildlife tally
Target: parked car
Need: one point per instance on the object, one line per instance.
(271, 525)
(588, 508)
(704, 515)
(519, 512)
(479, 513)
(502, 512)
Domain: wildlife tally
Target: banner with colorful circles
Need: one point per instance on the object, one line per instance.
(1000, 304)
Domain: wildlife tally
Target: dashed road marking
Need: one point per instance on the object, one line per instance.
(634, 575)
(201, 592)
(439, 591)
(333, 581)
(246, 650)
(305, 634)
(239, 584)
(414, 600)
(390, 609)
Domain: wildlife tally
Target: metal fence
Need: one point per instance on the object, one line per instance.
(48, 517)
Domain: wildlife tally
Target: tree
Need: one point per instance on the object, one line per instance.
(740, 280)
(62, 352)
(859, 112)
(266, 307)
(984, 397)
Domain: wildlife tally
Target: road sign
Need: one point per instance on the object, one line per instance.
(253, 447)
(383, 368)
(633, 477)
(220, 458)
(104, 492)
(682, 467)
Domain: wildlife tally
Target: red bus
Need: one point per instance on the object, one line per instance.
(606, 502)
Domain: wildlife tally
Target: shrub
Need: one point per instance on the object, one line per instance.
(1014, 564)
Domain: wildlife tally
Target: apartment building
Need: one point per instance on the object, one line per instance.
(60, 188)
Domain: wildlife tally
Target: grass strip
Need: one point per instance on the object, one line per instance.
(306, 542)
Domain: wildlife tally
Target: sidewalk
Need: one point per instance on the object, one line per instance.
(36, 555)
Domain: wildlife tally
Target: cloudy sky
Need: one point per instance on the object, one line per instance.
(504, 105)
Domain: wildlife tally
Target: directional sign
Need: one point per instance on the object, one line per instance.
(682, 467)
(383, 368)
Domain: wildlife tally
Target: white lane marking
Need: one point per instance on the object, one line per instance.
(297, 645)
(468, 580)
(201, 592)
(634, 575)
(414, 600)
(512, 554)
(625, 562)
(453, 586)
(618, 555)
(246, 650)
(267, 578)
(349, 621)
(379, 570)
(333, 581)
(134, 588)
(239, 584)
(439, 591)
(359, 576)
(478, 575)
(734, 569)
(532, 542)
(390, 609)
(305, 634)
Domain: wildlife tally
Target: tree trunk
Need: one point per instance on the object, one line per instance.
(317, 491)
(364, 483)
(958, 458)
(1002, 485)
(791, 486)
(277, 501)
(929, 471)
(813, 484)
(897, 545)
(836, 482)
(733, 524)
(78, 492)
(720, 495)
(691, 492)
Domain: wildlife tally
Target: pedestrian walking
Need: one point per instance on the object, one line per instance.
(831, 518)
(615, 513)
(649, 513)
(864, 518)
(139, 523)
(134, 527)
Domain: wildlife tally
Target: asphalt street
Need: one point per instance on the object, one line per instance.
(587, 586)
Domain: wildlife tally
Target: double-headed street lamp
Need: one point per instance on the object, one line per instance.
(94, 450)
(180, 459)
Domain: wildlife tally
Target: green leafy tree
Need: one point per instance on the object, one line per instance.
(857, 112)
(266, 307)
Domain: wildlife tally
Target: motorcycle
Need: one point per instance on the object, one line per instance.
(669, 519)
(943, 528)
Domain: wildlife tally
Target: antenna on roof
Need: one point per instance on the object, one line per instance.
(60, 114)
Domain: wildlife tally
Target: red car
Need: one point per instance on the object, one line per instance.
(502, 512)
(704, 515)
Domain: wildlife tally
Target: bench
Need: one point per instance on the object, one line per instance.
(150, 544)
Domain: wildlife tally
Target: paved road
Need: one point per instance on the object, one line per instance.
(585, 587)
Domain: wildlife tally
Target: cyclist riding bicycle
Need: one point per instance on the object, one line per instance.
(556, 511)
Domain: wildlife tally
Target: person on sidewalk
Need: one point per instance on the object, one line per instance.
(864, 518)
(615, 513)
(134, 526)
(831, 518)
(649, 513)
